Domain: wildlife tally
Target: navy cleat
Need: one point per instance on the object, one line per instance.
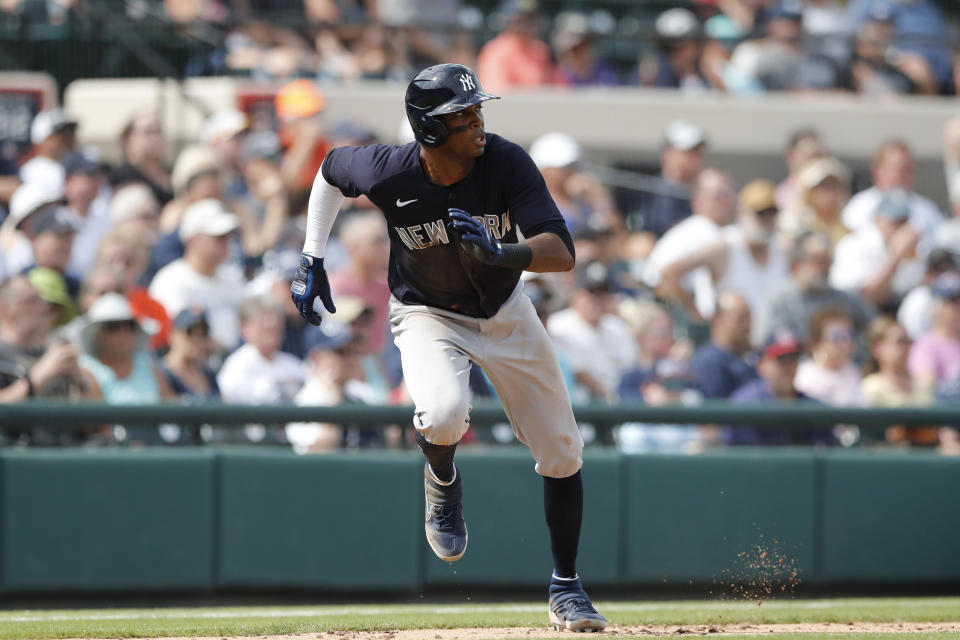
(571, 609)
(446, 531)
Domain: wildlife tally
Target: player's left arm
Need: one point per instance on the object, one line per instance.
(550, 253)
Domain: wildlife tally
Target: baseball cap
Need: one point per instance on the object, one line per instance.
(80, 163)
(677, 23)
(683, 135)
(29, 198)
(48, 122)
(946, 286)
(785, 10)
(192, 162)
(781, 343)
(189, 318)
(51, 286)
(816, 171)
(895, 205)
(555, 150)
(55, 219)
(207, 217)
(298, 99)
(224, 125)
(724, 28)
(758, 195)
(572, 29)
(595, 277)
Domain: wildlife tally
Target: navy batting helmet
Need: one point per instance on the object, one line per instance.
(440, 89)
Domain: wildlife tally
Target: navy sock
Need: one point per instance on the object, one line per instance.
(558, 584)
(563, 505)
(439, 456)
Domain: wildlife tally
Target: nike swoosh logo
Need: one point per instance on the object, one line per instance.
(403, 203)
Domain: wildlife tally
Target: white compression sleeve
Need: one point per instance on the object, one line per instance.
(322, 209)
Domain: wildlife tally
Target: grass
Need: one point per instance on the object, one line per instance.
(245, 621)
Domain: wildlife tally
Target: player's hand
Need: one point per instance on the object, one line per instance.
(473, 238)
(311, 282)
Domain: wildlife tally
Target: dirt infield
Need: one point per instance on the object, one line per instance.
(504, 633)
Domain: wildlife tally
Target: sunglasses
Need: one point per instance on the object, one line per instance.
(838, 335)
(116, 325)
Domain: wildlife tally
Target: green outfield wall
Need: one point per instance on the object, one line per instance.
(215, 519)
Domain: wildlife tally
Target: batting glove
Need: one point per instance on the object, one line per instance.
(473, 238)
(311, 282)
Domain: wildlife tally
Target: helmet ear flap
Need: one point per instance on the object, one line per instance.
(433, 133)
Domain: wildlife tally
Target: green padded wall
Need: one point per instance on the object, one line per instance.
(107, 520)
(891, 517)
(321, 521)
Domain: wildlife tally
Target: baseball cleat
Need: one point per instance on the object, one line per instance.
(446, 531)
(571, 609)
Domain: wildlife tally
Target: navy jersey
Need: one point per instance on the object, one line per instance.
(504, 190)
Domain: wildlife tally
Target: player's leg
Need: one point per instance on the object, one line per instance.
(522, 364)
(436, 371)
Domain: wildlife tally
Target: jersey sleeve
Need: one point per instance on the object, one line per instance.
(526, 193)
(354, 170)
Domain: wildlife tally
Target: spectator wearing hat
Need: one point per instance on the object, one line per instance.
(668, 200)
(51, 232)
(101, 279)
(915, 313)
(881, 69)
(823, 190)
(774, 61)
(201, 277)
(84, 180)
(53, 134)
(597, 343)
(721, 35)
(516, 58)
(143, 147)
(119, 356)
(829, 373)
(52, 287)
(29, 198)
(720, 366)
(893, 167)
(186, 364)
(882, 261)
(577, 64)
(792, 305)
(776, 383)
(579, 195)
(935, 355)
(803, 147)
(299, 106)
(677, 60)
(712, 203)
(747, 259)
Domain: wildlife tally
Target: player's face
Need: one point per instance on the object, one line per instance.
(466, 131)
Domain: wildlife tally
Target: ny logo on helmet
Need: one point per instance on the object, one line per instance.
(467, 82)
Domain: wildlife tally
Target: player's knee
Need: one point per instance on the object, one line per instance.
(444, 423)
(561, 460)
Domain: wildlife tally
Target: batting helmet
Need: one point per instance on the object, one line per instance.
(440, 89)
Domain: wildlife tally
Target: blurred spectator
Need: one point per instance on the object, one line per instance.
(186, 364)
(29, 198)
(266, 199)
(916, 311)
(196, 176)
(792, 305)
(920, 29)
(722, 34)
(200, 278)
(577, 64)
(935, 356)
(579, 195)
(880, 69)
(893, 167)
(143, 147)
(829, 374)
(364, 236)
(84, 178)
(774, 61)
(135, 210)
(749, 14)
(881, 261)
(596, 342)
(258, 372)
(668, 202)
(803, 148)
(299, 107)
(826, 28)
(53, 134)
(748, 259)
(101, 279)
(51, 231)
(652, 329)
(118, 356)
(712, 204)
(887, 381)
(778, 371)
(224, 134)
(516, 58)
(823, 190)
(676, 65)
(719, 367)
(127, 252)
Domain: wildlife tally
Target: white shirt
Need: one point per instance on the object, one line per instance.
(859, 255)
(604, 351)
(755, 282)
(248, 378)
(835, 388)
(46, 172)
(177, 286)
(683, 239)
(925, 216)
(91, 229)
(916, 312)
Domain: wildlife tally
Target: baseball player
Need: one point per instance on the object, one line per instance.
(455, 200)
